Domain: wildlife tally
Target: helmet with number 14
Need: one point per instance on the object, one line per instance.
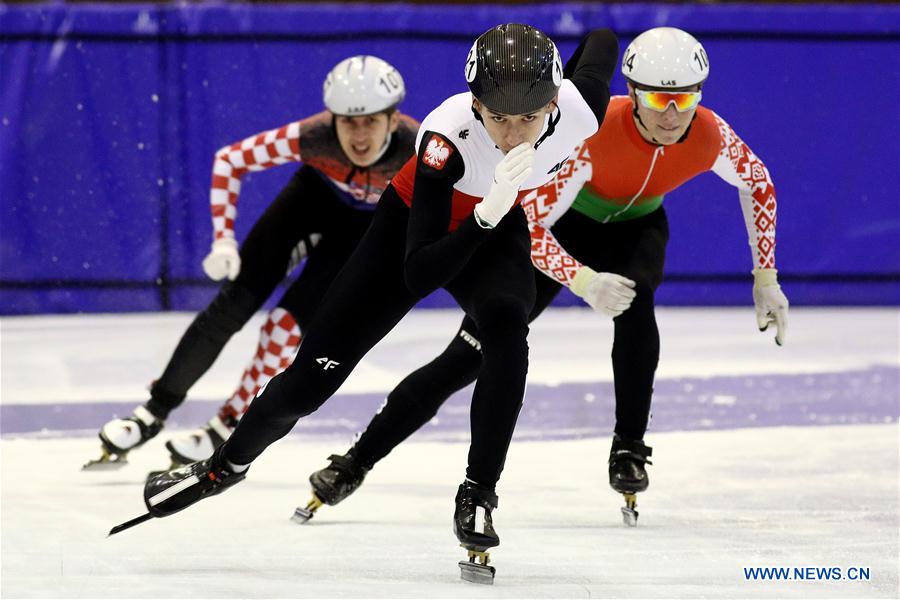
(665, 69)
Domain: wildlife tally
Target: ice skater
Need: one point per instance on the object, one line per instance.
(349, 152)
(449, 219)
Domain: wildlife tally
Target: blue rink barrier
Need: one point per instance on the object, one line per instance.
(110, 115)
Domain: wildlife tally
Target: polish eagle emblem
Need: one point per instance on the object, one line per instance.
(437, 152)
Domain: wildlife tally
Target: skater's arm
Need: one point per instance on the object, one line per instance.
(740, 167)
(544, 206)
(737, 165)
(549, 257)
(591, 69)
(255, 153)
(435, 255)
(607, 293)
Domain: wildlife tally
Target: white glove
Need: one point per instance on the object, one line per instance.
(607, 293)
(223, 260)
(510, 173)
(771, 303)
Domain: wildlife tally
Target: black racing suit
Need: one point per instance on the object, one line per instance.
(405, 254)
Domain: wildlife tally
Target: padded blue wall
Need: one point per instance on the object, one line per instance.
(110, 114)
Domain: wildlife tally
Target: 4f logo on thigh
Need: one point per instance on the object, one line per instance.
(327, 363)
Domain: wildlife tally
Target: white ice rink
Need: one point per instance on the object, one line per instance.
(721, 499)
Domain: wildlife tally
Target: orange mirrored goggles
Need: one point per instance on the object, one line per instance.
(660, 101)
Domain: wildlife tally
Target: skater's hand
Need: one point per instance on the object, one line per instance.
(771, 303)
(607, 293)
(512, 172)
(223, 260)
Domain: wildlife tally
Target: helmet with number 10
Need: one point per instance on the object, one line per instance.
(665, 58)
(362, 85)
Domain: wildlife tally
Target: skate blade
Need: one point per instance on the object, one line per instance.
(304, 514)
(129, 524)
(476, 569)
(106, 462)
(476, 572)
(629, 511)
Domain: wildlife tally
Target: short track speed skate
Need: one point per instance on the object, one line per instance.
(332, 484)
(474, 527)
(627, 474)
(120, 436)
(173, 491)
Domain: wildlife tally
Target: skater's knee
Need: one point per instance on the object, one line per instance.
(463, 353)
(503, 314)
(415, 401)
(280, 328)
(228, 312)
(644, 301)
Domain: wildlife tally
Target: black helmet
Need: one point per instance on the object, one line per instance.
(514, 69)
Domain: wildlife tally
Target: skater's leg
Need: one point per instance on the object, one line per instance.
(635, 353)
(634, 249)
(409, 406)
(279, 338)
(281, 334)
(201, 344)
(363, 304)
(195, 353)
(338, 229)
(416, 399)
(497, 289)
(265, 256)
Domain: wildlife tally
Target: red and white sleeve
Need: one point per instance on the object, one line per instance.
(740, 167)
(549, 257)
(548, 203)
(255, 153)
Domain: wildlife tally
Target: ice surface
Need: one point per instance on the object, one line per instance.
(724, 495)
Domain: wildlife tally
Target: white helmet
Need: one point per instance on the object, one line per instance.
(362, 85)
(665, 57)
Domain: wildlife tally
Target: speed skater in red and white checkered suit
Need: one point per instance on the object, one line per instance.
(451, 218)
(349, 153)
(605, 208)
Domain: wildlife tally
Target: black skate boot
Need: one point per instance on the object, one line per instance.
(119, 436)
(175, 490)
(627, 474)
(332, 484)
(474, 528)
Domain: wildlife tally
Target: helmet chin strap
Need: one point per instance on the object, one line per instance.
(384, 146)
(637, 117)
(381, 151)
(551, 126)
